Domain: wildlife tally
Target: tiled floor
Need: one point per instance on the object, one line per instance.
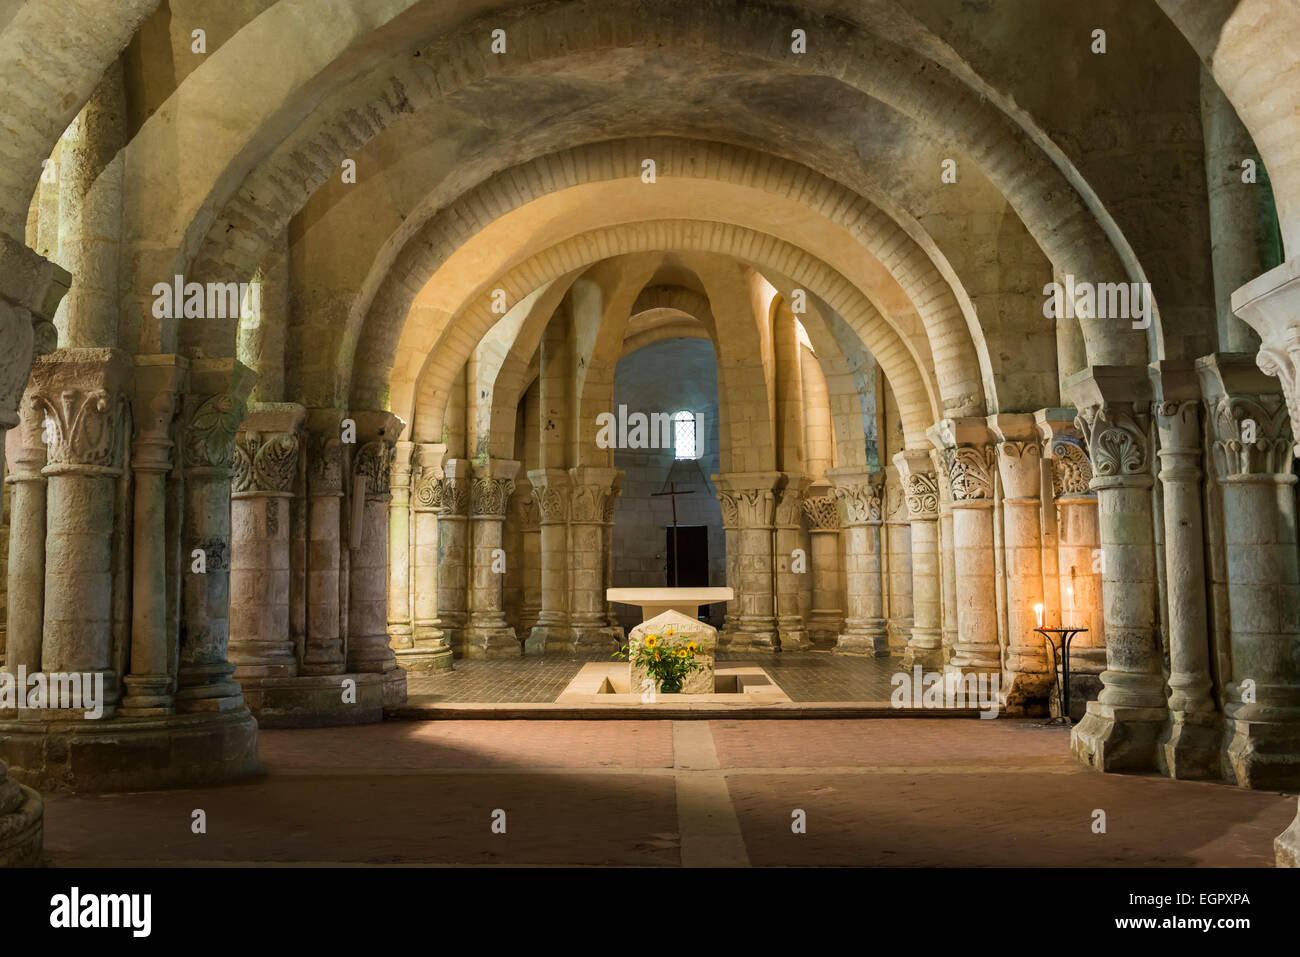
(805, 677)
(889, 792)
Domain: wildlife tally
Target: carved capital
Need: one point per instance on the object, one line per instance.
(209, 441)
(451, 496)
(970, 473)
(748, 508)
(921, 491)
(265, 462)
(1252, 435)
(324, 464)
(1117, 440)
(859, 503)
(552, 503)
(374, 462)
(491, 496)
(80, 397)
(823, 512)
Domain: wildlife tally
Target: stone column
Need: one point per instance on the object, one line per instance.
(593, 489)
(1270, 304)
(451, 501)
(368, 648)
(82, 396)
(1190, 748)
(968, 459)
(323, 652)
(151, 684)
(400, 628)
(826, 620)
(860, 518)
(21, 810)
(1078, 550)
(1026, 682)
(552, 490)
(1120, 729)
(947, 554)
(212, 412)
(26, 593)
(266, 469)
(488, 634)
(749, 506)
(897, 531)
(530, 529)
(791, 629)
(1253, 438)
(921, 495)
(430, 651)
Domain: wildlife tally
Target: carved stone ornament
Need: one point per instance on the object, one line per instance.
(1117, 440)
(860, 503)
(374, 462)
(1071, 470)
(325, 465)
(970, 472)
(492, 496)
(81, 427)
(210, 435)
(1252, 436)
(265, 462)
(922, 492)
(823, 513)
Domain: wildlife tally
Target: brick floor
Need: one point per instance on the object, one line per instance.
(892, 792)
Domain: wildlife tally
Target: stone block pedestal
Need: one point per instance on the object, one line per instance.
(706, 636)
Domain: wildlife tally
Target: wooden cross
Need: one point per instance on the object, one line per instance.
(672, 493)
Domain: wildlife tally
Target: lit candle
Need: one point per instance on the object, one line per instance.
(1038, 613)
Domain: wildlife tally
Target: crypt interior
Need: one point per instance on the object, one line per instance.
(314, 316)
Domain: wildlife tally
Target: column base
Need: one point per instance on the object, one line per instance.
(259, 662)
(1028, 693)
(1286, 845)
(1118, 738)
(424, 660)
(869, 643)
(209, 688)
(315, 701)
(399, 636)
(549, 639)
(924, 650)
(794, 638)
(370, 654)
(52, 753)
(22, 824)
(1191, 750)
(147, 695)
(491, 641)
(1263, 754)
(824, 633)
(742, 639)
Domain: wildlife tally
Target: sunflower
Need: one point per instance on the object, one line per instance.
(682, 653)
(670, 631)
(651, 641)
(692, 647)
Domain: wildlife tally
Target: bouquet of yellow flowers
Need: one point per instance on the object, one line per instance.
(666, 658)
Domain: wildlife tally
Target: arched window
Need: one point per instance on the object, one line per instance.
(684, 438)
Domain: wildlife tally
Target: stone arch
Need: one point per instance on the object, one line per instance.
(1050, 195)
(446, 352)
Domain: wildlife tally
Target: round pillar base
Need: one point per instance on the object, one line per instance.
(53, 752)
(22, 825)
(1286, 845)
(424, 660)
(315, 701)
(1116, 738)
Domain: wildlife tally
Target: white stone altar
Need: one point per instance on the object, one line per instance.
(655, 600)
(683, 626)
